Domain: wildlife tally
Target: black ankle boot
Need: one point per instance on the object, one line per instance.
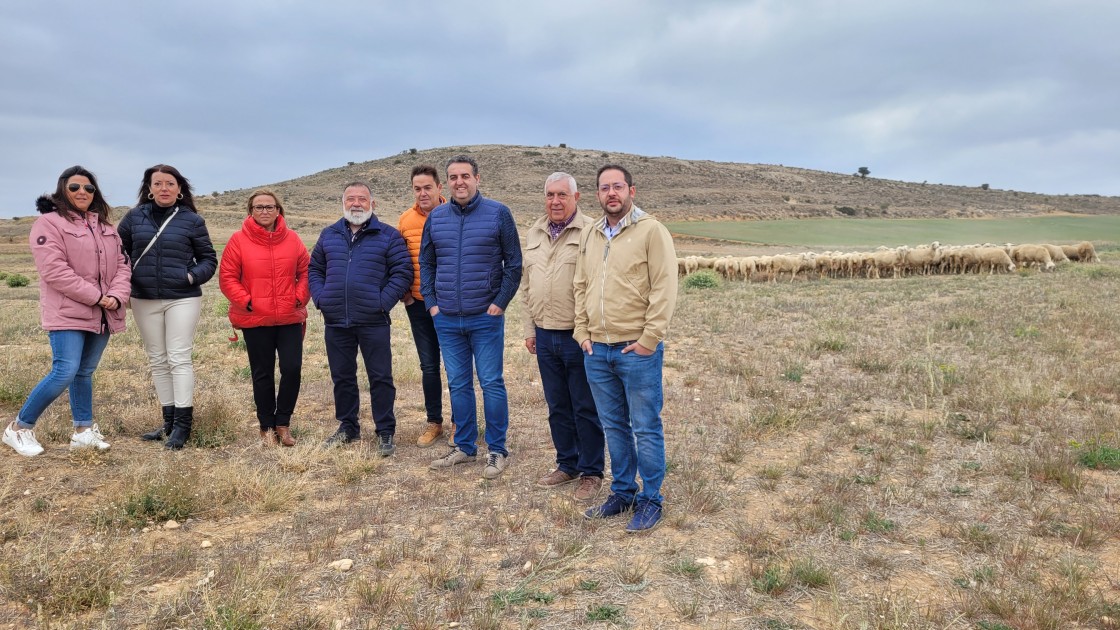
(165, 430)
(184, 418)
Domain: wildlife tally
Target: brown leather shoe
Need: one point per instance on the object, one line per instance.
(268, 438)
(588, 488)
(555, 478)
(284, 435)
(430, 436)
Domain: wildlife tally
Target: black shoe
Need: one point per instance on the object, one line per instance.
(165, 430)
(339, 438)
(184, 418)
(385, 446)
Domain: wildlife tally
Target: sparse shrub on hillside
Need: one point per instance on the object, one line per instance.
(4, 274)
(1100, 456)
(703, 279)
(851, 212)
(18, 280)
(863, 171)
(563, 145)
(531, 153)
(412, 151)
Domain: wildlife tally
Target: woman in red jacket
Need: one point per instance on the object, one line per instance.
(264, 274)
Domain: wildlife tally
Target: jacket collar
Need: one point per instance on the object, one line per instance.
(262, 236)
(343, 226)
(471, 205)
(631, 218)
(416, 207)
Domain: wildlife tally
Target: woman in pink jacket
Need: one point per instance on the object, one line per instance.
(83, 287)
(264, 274)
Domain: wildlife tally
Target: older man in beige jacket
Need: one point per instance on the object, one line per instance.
(552, 246)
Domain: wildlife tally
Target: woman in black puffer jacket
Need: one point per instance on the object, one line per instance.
(172, 257)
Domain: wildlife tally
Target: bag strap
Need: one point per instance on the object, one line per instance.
(153, 241)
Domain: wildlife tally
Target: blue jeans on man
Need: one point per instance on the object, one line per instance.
(628, 395)
(343, 345)
(572, 417)
(427, 349)
(76, 354)
(468, 343)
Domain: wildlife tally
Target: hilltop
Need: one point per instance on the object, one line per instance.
(673, 189)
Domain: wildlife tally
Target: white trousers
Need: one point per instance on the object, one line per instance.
(167, 328)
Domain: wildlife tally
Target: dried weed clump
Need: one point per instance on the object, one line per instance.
(929, 452)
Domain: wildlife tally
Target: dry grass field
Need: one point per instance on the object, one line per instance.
(929, 452)
(919, 453)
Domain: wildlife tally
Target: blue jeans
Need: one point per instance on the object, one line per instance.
(76, 354)
(476, 341)
(343, 345)
(572, 418)
(427, 349)
(627, 390)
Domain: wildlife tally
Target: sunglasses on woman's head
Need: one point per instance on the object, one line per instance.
(90, 188)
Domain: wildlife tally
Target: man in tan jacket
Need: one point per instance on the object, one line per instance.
(551, 249)
(625, 292)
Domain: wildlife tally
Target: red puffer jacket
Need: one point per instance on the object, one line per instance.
(265, 271)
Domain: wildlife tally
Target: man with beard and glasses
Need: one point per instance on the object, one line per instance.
(470, 267)
(360, 269)
(625, 292)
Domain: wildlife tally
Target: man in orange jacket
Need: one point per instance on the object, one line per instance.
(426, 188)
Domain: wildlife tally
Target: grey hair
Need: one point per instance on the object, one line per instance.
(560, 176)
(463, 159)
(356, 183)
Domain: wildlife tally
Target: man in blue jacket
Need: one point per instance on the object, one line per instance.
(470, 268)
(360, 268)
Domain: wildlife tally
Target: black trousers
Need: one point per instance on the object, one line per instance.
(343, 346)
(427, 349)
(265, 344)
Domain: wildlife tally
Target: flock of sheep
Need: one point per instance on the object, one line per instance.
(892, 262)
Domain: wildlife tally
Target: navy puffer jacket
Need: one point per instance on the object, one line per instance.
(356, 282)
(183, 247)
(470, 257)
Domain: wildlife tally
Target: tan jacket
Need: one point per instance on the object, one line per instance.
(549, 269)
(625, 288)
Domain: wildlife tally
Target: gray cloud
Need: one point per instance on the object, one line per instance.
(1019, 95)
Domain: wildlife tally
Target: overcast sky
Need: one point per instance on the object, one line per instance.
(1020, 94)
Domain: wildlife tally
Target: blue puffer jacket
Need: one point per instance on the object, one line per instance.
(470, 257)
(357, 282)
(183, 247)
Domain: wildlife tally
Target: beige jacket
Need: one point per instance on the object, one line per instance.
(549, 270)
(625, 288)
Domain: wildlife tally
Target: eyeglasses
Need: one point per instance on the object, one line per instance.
(617, 187)
(90, 188)
(264, 208)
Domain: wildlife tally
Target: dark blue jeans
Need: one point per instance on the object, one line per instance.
(628, 395)
(343, 345)
(572, 417)
(264, 344)
(427, 349)
(472, 342)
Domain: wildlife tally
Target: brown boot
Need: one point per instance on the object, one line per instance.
(430, 436)
(268, 438)
(284, 434)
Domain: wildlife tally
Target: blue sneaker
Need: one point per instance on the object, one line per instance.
(614, 506)
(646, 516)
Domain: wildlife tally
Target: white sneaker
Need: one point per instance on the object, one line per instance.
(22, 440)
(90, 438)
(495, 464)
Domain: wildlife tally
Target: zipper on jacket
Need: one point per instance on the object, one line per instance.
(459, 265)
(603, 291)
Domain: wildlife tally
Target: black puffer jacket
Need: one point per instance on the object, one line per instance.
(183, 247)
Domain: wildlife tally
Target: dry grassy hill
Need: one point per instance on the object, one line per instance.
(672, 188)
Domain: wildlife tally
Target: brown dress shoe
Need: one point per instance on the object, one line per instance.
(268, 438)
(431, 436)
(555, 478)
(284, 435)
(588, 488)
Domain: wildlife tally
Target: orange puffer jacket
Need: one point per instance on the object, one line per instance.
(411, 227)
(267, 272)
